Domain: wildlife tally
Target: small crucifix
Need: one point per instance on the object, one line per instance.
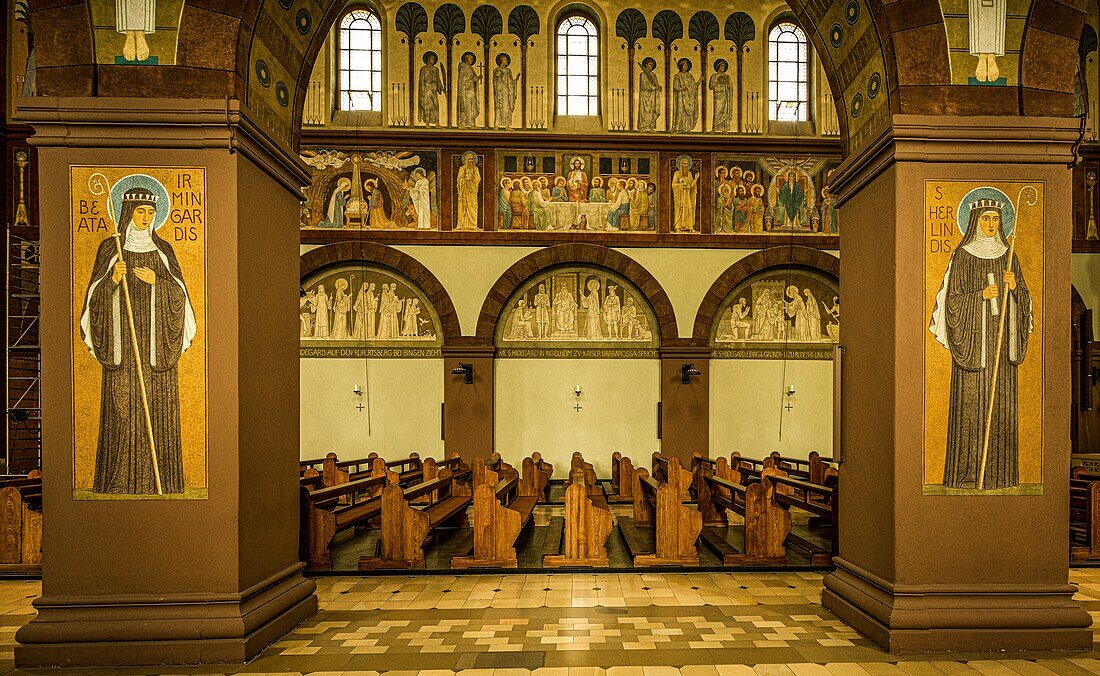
(359, 406)
(788, 406)
(577, 407)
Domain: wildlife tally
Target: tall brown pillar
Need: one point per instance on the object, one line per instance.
(178, 581)
(468, 409)
(685, 408)
(927, 572)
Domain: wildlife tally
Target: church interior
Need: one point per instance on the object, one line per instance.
(566, 392)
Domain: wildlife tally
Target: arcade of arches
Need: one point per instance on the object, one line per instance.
(588, 258)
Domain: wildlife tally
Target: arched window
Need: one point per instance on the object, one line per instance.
(360, 44)
(788, 73)
(578, 66)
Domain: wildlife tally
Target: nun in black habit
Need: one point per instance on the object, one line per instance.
(165, 326)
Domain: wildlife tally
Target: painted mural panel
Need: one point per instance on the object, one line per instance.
(372, 190)
(781, 313)
(985, 39)
(577, 311)
(138, 302)
(366, 310)
(468, 191)
(136, 32)
(769, 195)
(577, 191)
(983, 350)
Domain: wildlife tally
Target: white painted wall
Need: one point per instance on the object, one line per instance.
(534, 410)
(1086, 277)
(403, 407)
(746, 400)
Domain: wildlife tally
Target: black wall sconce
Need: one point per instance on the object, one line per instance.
(687, 372)
(465, 370)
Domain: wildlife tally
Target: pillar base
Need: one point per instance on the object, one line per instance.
(931, 619)
(165, 630)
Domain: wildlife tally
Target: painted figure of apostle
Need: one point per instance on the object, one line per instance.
(685, 187)
(685, 93)
(429, 87)
(649, 96)
(164, 326)
(722, 86)
(980, 284)
(468, 183)
(504, 92)
(468, 79)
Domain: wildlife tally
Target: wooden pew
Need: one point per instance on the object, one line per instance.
(817, 500)
(767, 523)
(577, 461)
(547, 468)
(536, 476)
(405, 529)
(329, 510)
(338, 472)
(500, 513)
(676, 525)
(1084, 516)
(663, 471)
(21, 523)
(586, 526)
(621, 487)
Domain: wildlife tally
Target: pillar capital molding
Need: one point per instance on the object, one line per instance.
(102, 122)
(958, 139)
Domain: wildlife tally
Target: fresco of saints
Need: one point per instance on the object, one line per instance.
(504, 206)
(790, 200)
(565, 312)
(987, 36)
(146, 281)
(685, 94)
(420, 194)
(685, 190)
(639, 207)
(429, 87)
(366, 305)
(577, 181)
(334, 218)
(722, 86)
(135, 19)
(649, 96)
(591, 303)
(504, 92)
(468, 79)
(981, 288)
(468, 184)
(321, 305)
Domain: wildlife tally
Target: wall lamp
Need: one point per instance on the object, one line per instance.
(687, 372)
(465, 370)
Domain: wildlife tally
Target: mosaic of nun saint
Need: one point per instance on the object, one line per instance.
(164, 326)
(979, 292)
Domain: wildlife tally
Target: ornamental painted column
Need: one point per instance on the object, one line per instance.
(199, 565)
(936, 554)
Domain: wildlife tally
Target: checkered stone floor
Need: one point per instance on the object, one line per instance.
(706, 624)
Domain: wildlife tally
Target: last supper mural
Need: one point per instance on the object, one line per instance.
(577, 191)
(577, 311)
(356, 310)
(371, 190)
(780, 313)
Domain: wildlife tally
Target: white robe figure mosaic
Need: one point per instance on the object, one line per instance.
(135, 19)
(983, 287)
(987, 37)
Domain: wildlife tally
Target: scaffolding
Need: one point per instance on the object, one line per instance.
(23, 356)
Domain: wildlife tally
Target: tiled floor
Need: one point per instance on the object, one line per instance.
(705, 624)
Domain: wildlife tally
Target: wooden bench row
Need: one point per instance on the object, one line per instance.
(21, 523)
(1084, 515)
